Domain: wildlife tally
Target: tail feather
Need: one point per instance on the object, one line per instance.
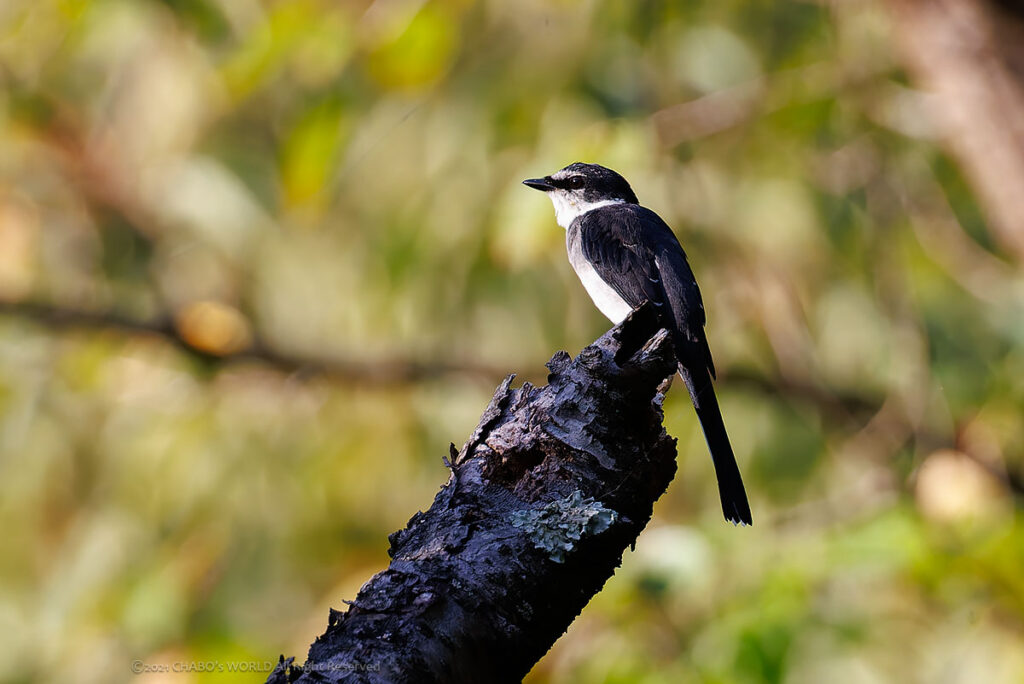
(730, 484)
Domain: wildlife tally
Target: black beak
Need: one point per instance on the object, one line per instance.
(541, 184)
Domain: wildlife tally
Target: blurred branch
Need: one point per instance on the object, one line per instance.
(882, 419)
(542, 501)
(707, 115)
(91, 160)
(944, 239)
(839, 404)
(842, 407)
(731, 107)
(970, 53)
(396, 371)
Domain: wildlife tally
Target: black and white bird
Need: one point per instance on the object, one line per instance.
(625, 254)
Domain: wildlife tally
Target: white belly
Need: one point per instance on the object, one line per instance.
(607, 300)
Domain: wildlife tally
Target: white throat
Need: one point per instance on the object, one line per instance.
(568, 209)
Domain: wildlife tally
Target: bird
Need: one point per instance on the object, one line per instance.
(625, 254)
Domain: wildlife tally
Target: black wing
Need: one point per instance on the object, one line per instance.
(638, 255)
(633, 251)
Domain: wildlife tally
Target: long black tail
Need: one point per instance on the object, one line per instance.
(730, 484)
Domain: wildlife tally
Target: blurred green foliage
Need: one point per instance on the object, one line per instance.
(340, 180)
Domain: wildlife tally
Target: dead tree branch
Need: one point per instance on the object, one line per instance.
(541, 503)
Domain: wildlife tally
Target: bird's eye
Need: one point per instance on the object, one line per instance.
(576, 182)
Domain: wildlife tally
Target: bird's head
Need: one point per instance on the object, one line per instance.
(579, 188)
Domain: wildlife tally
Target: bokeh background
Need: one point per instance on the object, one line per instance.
(260, 262)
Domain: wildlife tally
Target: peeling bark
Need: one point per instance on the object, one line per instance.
(540, 504)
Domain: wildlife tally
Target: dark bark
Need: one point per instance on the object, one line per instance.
(539, 507)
